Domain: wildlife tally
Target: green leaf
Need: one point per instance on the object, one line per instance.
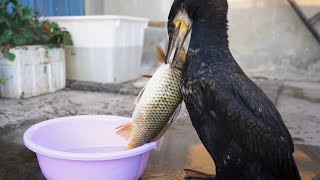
(2, 81)
(2, 19)
(36, 38)
(28, 34)
(45, 39)
(36, 14)
(15, 2)
(6, 36)
(54, 25)
(10, 56)
(67, 39)
(23, 26)
(27, 13)
(27, 10)
(19, 40)
(27, 17)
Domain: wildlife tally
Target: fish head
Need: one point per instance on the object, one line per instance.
(178, 63)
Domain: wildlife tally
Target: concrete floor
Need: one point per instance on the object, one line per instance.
(298, 102)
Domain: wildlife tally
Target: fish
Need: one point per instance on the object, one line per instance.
(157, 105)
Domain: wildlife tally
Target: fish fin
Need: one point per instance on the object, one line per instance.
(161, 56)
(166, 127)
(175, 114)
(183, 55)
(159, 144)
(147, 76)
(125, 130)
(159, 138)
(139, 96)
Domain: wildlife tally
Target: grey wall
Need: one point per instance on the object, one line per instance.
(94, 7)
(266, 36)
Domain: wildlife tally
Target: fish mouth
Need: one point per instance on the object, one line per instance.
(177, 38)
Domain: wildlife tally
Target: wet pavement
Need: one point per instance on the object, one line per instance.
(299, 104)
(183, 150)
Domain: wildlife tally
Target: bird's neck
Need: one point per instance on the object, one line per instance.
(207, 35)
(209, 41)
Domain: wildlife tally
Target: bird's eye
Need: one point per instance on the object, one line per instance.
(171, 26)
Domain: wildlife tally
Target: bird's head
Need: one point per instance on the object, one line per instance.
(184, 14)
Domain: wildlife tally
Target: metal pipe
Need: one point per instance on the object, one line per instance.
(315, 18)
(304, 19)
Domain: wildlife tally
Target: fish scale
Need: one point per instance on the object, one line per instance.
(156, 105)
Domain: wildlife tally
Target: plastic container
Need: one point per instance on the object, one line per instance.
(36, 70)
(107, 49)
(85, 147)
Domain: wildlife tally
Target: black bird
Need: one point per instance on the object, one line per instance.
(237, 123)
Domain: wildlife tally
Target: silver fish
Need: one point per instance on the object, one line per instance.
(157, 105)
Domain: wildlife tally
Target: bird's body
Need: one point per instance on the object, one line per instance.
(235, 120)
(237, 123)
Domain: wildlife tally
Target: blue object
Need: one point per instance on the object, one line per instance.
(56, 7)
(9, 8)
(77, 7)
(27, 2)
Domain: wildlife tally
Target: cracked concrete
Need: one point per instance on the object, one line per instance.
(63, 103)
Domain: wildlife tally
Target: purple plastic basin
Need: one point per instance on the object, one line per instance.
(85, 147)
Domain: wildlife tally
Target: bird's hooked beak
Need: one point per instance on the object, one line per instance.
(177, 38)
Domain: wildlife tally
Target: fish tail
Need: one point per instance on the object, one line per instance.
(159, 144)
(131, 145)
(125, 130)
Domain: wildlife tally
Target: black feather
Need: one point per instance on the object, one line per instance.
(238, 124)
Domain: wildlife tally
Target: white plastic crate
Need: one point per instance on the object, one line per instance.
(36, 70)
(107, 49)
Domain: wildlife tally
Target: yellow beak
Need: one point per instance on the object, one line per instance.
(176, 41)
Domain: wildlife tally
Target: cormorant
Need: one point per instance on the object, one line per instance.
(237, 123)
